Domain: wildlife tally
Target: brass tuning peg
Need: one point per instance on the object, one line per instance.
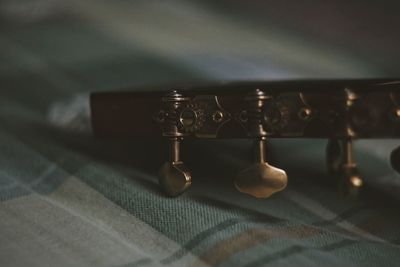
(261, 180)
(175, 178)
(340, 162)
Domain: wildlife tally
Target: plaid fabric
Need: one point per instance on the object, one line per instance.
(67, 199)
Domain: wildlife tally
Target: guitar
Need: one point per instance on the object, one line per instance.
(340, 111)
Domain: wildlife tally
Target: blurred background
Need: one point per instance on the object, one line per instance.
(103, 44)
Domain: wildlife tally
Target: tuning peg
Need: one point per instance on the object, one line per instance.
(175, 178)
(340, 162)
(261, 180)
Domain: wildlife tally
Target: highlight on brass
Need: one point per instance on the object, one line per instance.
(261, 180)
(339, 111)
(175, 178)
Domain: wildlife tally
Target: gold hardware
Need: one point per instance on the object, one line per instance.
(340, 154)
(340, 162)
(305, 113)
(397, 112)
(213, 117)
(218, 116)
(188, 117)
(175, 178)
(261, 180)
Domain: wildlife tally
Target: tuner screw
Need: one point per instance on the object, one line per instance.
(191, 118)
(188, 118)
(305, 113)
(218, 116)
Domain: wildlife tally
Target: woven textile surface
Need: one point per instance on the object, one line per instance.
(68, 199)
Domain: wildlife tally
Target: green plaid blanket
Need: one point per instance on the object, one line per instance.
(67, 199)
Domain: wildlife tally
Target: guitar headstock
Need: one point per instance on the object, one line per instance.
(340, 111)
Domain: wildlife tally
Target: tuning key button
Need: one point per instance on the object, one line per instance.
(175, 178)
(261, 180)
